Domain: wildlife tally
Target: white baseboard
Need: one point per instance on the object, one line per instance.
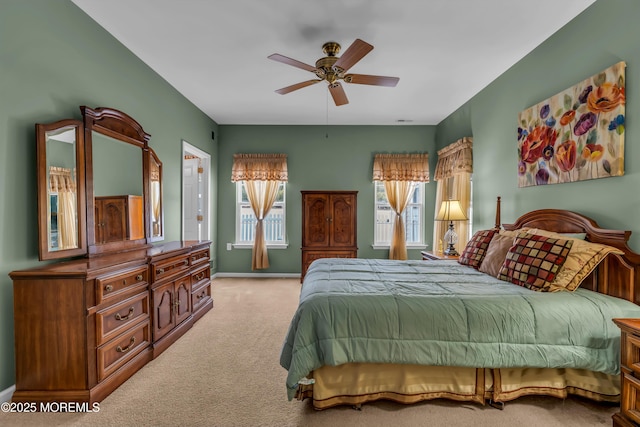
(5, 395)
(258, 275)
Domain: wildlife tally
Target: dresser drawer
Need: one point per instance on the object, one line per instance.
(114, 320)
(200, 276)
(123, 348)
(199, 296)
(108, 288)
(199, 257)
(169, 267)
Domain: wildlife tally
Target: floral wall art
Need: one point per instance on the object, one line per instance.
(575, 135)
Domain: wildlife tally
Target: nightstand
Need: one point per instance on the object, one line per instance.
(429, 255)
(629, 415)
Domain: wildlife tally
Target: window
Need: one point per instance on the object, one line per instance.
(274, 223)
(412, 216)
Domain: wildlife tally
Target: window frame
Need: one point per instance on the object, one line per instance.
(379, 244)
(240, 204)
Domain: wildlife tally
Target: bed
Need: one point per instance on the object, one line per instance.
(413, 330)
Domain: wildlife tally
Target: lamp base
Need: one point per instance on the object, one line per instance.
(450, 237)
(451, 251)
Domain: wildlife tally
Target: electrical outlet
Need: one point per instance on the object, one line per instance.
(229, 246)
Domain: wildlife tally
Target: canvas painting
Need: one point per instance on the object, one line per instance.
(575, 135)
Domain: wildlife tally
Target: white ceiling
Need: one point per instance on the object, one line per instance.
(215, 52)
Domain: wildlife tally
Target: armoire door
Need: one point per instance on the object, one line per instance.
(342, 220)
(111, 219)
(316, 216)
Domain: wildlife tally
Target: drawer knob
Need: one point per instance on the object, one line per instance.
(118, 316)
(139, 277)
(160, 271)
(108, 288)
(132, 341)
(200, 276)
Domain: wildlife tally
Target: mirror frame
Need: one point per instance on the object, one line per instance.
(122, 127)
(44, 252)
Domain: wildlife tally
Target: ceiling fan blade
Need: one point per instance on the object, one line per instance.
(364, 79)
(289, 61)
(296, 86)
(337, 92)
(353, 54)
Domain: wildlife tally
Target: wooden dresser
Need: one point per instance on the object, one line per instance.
(83, 327)
(629, 415)
(329, 226)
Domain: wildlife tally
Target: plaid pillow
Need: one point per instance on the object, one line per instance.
(476, 249)
(533, 261)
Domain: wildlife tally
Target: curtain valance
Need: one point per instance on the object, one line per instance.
(455, 158)
(61, 180)
(401, 167)
(259, 167)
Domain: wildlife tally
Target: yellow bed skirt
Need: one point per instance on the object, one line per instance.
(357, 383)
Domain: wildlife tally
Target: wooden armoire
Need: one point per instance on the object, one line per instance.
(119, 218)
(329, 226)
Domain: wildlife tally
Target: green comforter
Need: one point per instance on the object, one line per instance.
(443, 313)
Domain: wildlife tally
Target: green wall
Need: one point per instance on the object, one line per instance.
(54, 58)
(318, 158)
(604, 34)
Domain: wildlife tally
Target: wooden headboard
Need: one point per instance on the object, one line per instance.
(617, 275)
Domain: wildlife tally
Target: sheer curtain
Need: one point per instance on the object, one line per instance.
(400, 172)
(62, 182)
(262, 174)
(453, 177)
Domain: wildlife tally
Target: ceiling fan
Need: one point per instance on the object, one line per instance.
(332, 68)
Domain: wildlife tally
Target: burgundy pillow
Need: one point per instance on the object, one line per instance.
(533, 261)
(476, 249)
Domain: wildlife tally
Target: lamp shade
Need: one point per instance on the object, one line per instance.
(450, 210)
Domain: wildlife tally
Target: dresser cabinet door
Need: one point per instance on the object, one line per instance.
(182, 292)
(163, 319)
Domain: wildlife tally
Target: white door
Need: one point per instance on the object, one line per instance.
(190, 196)
(196, 165)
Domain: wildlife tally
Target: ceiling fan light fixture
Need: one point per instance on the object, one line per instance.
(331, 69)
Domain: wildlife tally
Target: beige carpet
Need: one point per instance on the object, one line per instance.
(225, 372)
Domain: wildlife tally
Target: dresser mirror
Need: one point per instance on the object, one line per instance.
(99, 186)
(61, 202)
(120, 214)
(117, 190)
(155, 192)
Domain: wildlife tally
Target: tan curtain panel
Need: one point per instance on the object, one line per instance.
(401, 167)
(259, 167)
(63, 182)
(458, 187)
(399, 172)
(455, 158)
(262, 174)
(398, 194)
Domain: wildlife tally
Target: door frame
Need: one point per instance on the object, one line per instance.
(206, 191)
